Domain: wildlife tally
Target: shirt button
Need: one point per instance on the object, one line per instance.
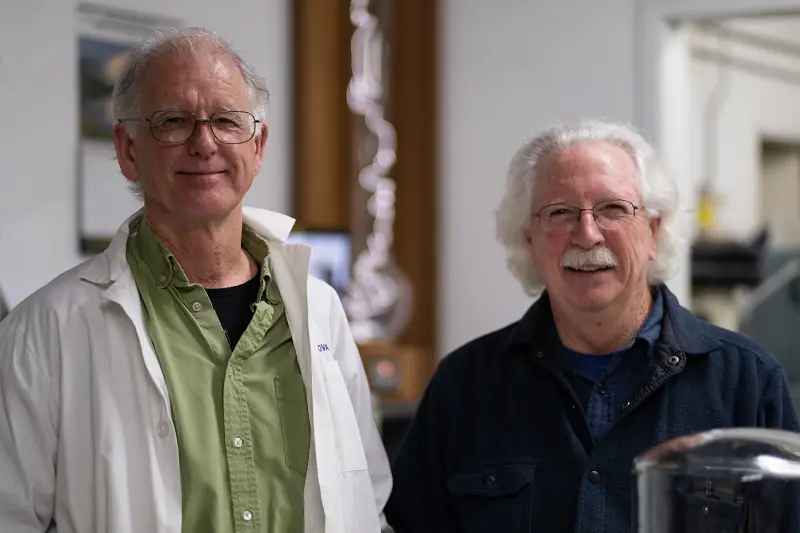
(197, 307)
(237, 442)
(163, 429)
(594, 477)
(247, 516)
(162, 278)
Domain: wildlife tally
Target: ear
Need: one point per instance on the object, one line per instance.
(655, 226)
(260, 143)
(125, 156)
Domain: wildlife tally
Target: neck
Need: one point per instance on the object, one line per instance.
(605, 331)
(210, 253)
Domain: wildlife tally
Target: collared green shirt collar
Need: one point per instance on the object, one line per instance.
(165, 268)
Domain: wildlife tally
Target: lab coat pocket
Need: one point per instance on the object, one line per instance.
(349, 447)
(293, 411)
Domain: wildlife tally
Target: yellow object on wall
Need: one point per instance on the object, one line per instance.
(707, 211)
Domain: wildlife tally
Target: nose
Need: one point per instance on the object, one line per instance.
(587, 233)
(202, 143)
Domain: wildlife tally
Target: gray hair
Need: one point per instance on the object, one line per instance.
(659, 192)
(125, 96)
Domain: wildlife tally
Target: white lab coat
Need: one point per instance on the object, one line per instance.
(87, 442)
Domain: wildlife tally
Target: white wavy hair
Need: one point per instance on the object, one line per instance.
(169, 43)
(659, 194)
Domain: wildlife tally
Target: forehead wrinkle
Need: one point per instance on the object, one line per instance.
(591, 172)
(189, 79)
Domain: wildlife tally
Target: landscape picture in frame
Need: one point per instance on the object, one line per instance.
(100, 64)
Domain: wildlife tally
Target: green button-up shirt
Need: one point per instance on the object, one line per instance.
(241, 416)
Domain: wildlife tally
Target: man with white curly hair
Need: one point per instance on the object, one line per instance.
(193, 377)
(535, 427)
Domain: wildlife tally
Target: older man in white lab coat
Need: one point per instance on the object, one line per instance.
(192, 377)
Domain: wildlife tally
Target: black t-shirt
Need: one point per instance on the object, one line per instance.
(234, 307)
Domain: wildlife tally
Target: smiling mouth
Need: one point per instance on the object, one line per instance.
(589, 269)
(201, 173)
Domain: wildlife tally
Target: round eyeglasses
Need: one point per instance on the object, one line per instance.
(177, 127)
(564, 218)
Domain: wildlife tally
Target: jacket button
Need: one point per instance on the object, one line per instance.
(594, 477)
(673, 360)
(488, 479)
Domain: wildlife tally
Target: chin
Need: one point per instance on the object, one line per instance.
(593, 302)
(594, 298)
(209, 205)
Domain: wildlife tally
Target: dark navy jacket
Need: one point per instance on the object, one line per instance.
(500, 442)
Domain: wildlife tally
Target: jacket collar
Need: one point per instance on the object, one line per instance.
(108, 266)
(681, 331)
(691, 335)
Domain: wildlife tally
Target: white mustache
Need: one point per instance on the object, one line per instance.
(593, 258)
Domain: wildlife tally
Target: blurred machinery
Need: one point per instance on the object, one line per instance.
(752, 288)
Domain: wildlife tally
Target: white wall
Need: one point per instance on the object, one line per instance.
(38, 86)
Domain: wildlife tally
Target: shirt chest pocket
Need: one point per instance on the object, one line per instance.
(494, 496)
(293, 411)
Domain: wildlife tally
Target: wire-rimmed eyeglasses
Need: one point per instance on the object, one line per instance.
(177, 126)
(564, 218)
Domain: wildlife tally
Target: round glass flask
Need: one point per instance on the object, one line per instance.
(740, 480)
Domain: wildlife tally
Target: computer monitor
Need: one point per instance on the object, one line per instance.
(331, 255)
